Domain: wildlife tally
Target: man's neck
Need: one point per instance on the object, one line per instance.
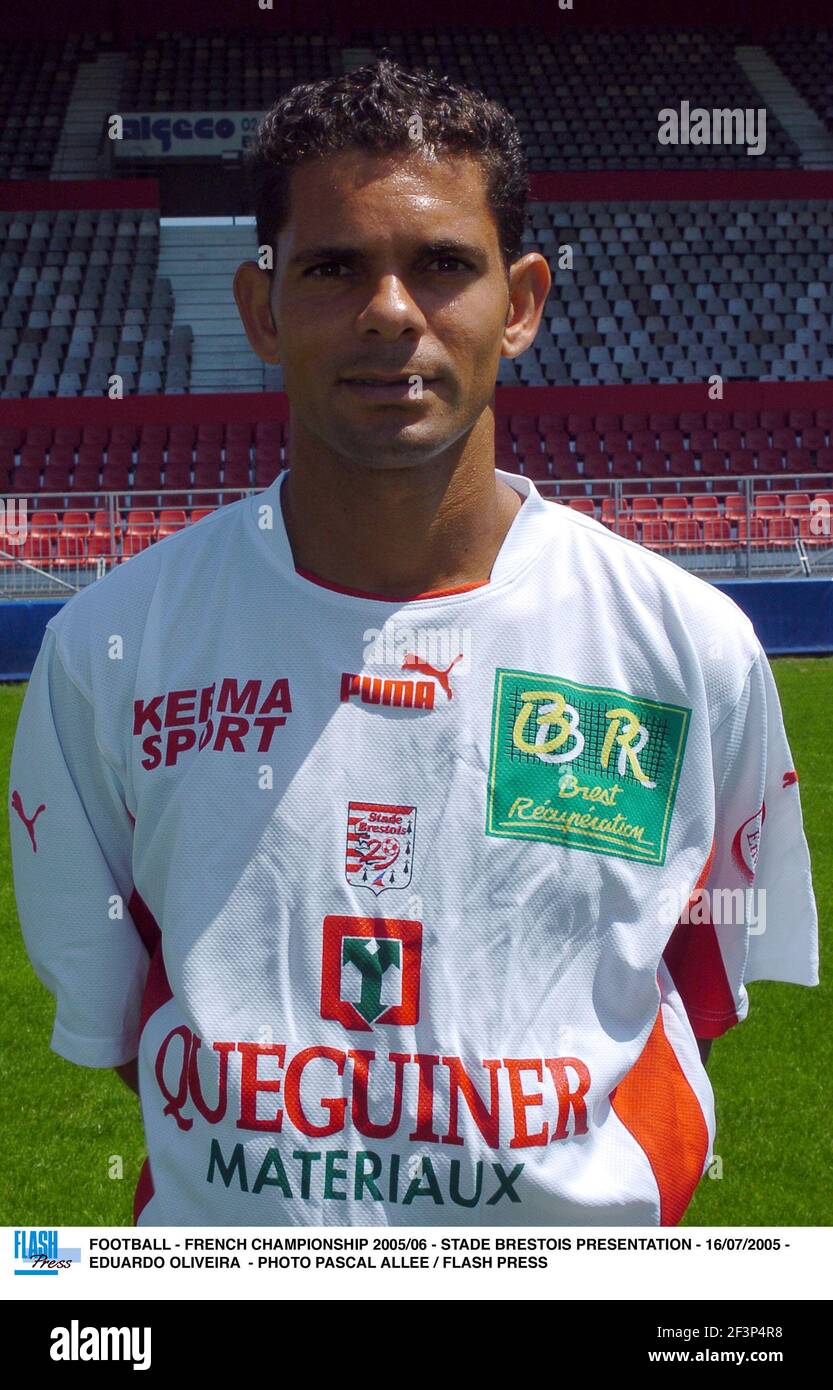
(400, 532)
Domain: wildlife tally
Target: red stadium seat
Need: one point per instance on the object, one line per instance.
(781, 530)
(728, 440)
(652, 463)
(25, 479)
(812, 530)
(706, 504)
(797, 503)
(681, 464)
(771, 461)
(757, 440)
(768, 502)
(627, 527)
(170, 520)
(800, 461)
(742, 462)
(745, 420)
(773, 419)
(73, 538)
(686, 533)
(757, 531)
(656, 534)
(813, 439)
(41, 542)
(101, 544)
(124, 434)
(783, 439)
(115, 477)
(609, 510)
(717, 533)
(536, 467)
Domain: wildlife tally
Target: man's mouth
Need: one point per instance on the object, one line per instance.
(393, 388)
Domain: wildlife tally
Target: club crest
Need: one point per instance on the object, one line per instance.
(380, 845)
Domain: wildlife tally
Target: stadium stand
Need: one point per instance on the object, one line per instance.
(589, 99)
(683, 266)
(658, 292)
(36, 78)
(233, 71)
(82, 300)
(805, 55)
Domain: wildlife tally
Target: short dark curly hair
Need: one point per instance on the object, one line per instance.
(370, 109)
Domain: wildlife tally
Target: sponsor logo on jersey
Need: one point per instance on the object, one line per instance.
(28, 821)
(441, 674)
(380, 845)
(746, 841)
(324, 1090)
(583, 766)
(370, 971)
(243, 719)
(399, 693)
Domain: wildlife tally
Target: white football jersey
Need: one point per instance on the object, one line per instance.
(412, 909)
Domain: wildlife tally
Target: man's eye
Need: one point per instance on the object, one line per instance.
(324, 265)
(329, 265)
(451, 260)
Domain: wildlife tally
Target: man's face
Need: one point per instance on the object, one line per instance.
(360, 290)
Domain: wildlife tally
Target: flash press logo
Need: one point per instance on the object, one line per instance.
(76, 1343)
(37, 1252)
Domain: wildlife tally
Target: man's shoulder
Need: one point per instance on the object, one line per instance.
(642, 573)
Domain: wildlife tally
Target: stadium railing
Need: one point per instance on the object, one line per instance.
(740, 529)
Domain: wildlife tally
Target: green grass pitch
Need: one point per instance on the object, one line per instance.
(72, 1136)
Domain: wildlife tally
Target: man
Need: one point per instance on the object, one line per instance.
(372, 802)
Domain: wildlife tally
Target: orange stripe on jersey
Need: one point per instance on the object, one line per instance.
(656, 1103)
(695, 964)
(386, 598)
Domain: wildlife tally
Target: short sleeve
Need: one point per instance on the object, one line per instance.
(753, 913)
(71, 846)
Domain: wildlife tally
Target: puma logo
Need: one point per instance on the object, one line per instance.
(413, 663)
(30, 824)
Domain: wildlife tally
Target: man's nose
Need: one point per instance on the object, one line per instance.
(390, 303)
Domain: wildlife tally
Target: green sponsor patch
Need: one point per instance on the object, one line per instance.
(583, 766)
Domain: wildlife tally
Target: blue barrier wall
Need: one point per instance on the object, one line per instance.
(790, 616)
(22, 625)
